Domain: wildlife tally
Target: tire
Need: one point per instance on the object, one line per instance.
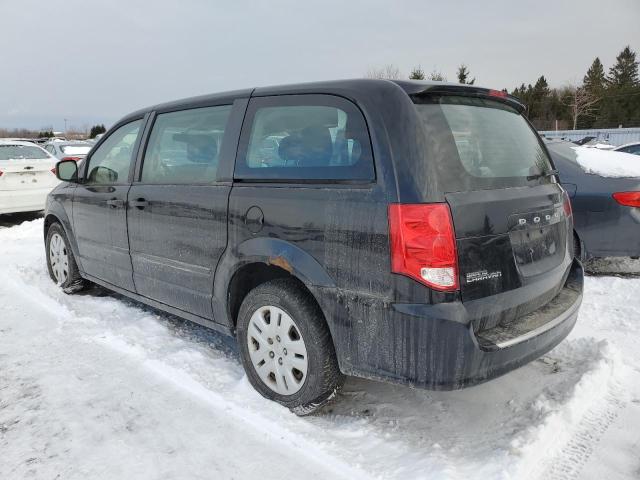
(285, 316)
(61, 263)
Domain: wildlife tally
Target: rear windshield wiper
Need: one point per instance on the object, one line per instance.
(548, 173)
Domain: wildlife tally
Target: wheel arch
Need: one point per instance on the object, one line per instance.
(580, 251)
(258, 260)
(63, 220)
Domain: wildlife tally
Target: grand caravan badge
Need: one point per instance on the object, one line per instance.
(482, 275)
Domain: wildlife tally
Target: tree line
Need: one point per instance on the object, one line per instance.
(601, 100)
(71, 133)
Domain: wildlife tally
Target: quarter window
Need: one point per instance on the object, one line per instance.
(305, 137)
(184, 146)
(111, 162)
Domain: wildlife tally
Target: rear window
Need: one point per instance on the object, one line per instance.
(75, 149)
(481, 143)
(15, 152)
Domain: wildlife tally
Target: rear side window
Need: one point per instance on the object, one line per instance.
(184, 146)
(481, 143)
(304, 137)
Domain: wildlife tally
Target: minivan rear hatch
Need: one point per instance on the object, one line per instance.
(512, 222)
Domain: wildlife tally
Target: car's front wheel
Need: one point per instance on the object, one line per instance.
(60, 261)
(286, 347)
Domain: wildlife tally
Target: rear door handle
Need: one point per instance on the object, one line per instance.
(139, 203)
(115, 203)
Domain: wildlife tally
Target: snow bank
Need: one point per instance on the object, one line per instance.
(607, 163)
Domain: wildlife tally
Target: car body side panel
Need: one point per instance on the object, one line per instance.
(175, 242)
(342, 243)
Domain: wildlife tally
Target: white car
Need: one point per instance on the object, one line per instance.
(27, 175)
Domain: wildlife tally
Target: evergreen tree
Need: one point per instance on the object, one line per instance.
(620, 105)
(594, 80)
(96, 130)
(437, 76)
(417, 74)
(625, 71)
(593, 84)
(537, 101)
(463, 75)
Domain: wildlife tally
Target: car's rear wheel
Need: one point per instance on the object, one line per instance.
(286, 347)
(61, 263)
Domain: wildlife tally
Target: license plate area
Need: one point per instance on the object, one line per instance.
(537, 247)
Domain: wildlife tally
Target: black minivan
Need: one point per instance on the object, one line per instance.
(411, 232)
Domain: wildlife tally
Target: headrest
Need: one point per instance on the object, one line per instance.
(310, 147)
(201, 148)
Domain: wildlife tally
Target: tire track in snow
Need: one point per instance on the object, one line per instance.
(568, 463)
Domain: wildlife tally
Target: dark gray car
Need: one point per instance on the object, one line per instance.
(604, 226)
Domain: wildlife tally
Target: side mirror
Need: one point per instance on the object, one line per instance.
(67, 170)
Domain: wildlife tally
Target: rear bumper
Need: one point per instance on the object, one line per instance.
(12, 201)
(435, 346)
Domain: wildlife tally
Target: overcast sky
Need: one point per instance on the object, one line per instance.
(88, 61)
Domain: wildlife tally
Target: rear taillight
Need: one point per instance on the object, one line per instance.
(53, 170)
(423, 244)
(1, 172)
(77, 159)
(629, 199)
(566, 203)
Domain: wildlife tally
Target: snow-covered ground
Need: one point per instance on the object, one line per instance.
(97, 386)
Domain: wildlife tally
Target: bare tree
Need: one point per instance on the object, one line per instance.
(581, 103)
(389, 71)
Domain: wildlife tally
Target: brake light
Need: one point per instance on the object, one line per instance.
(1, 172)
(423, 244)
(77, 159)
(497, 93)
(566, 203)
(53, 170)
(629, 199)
